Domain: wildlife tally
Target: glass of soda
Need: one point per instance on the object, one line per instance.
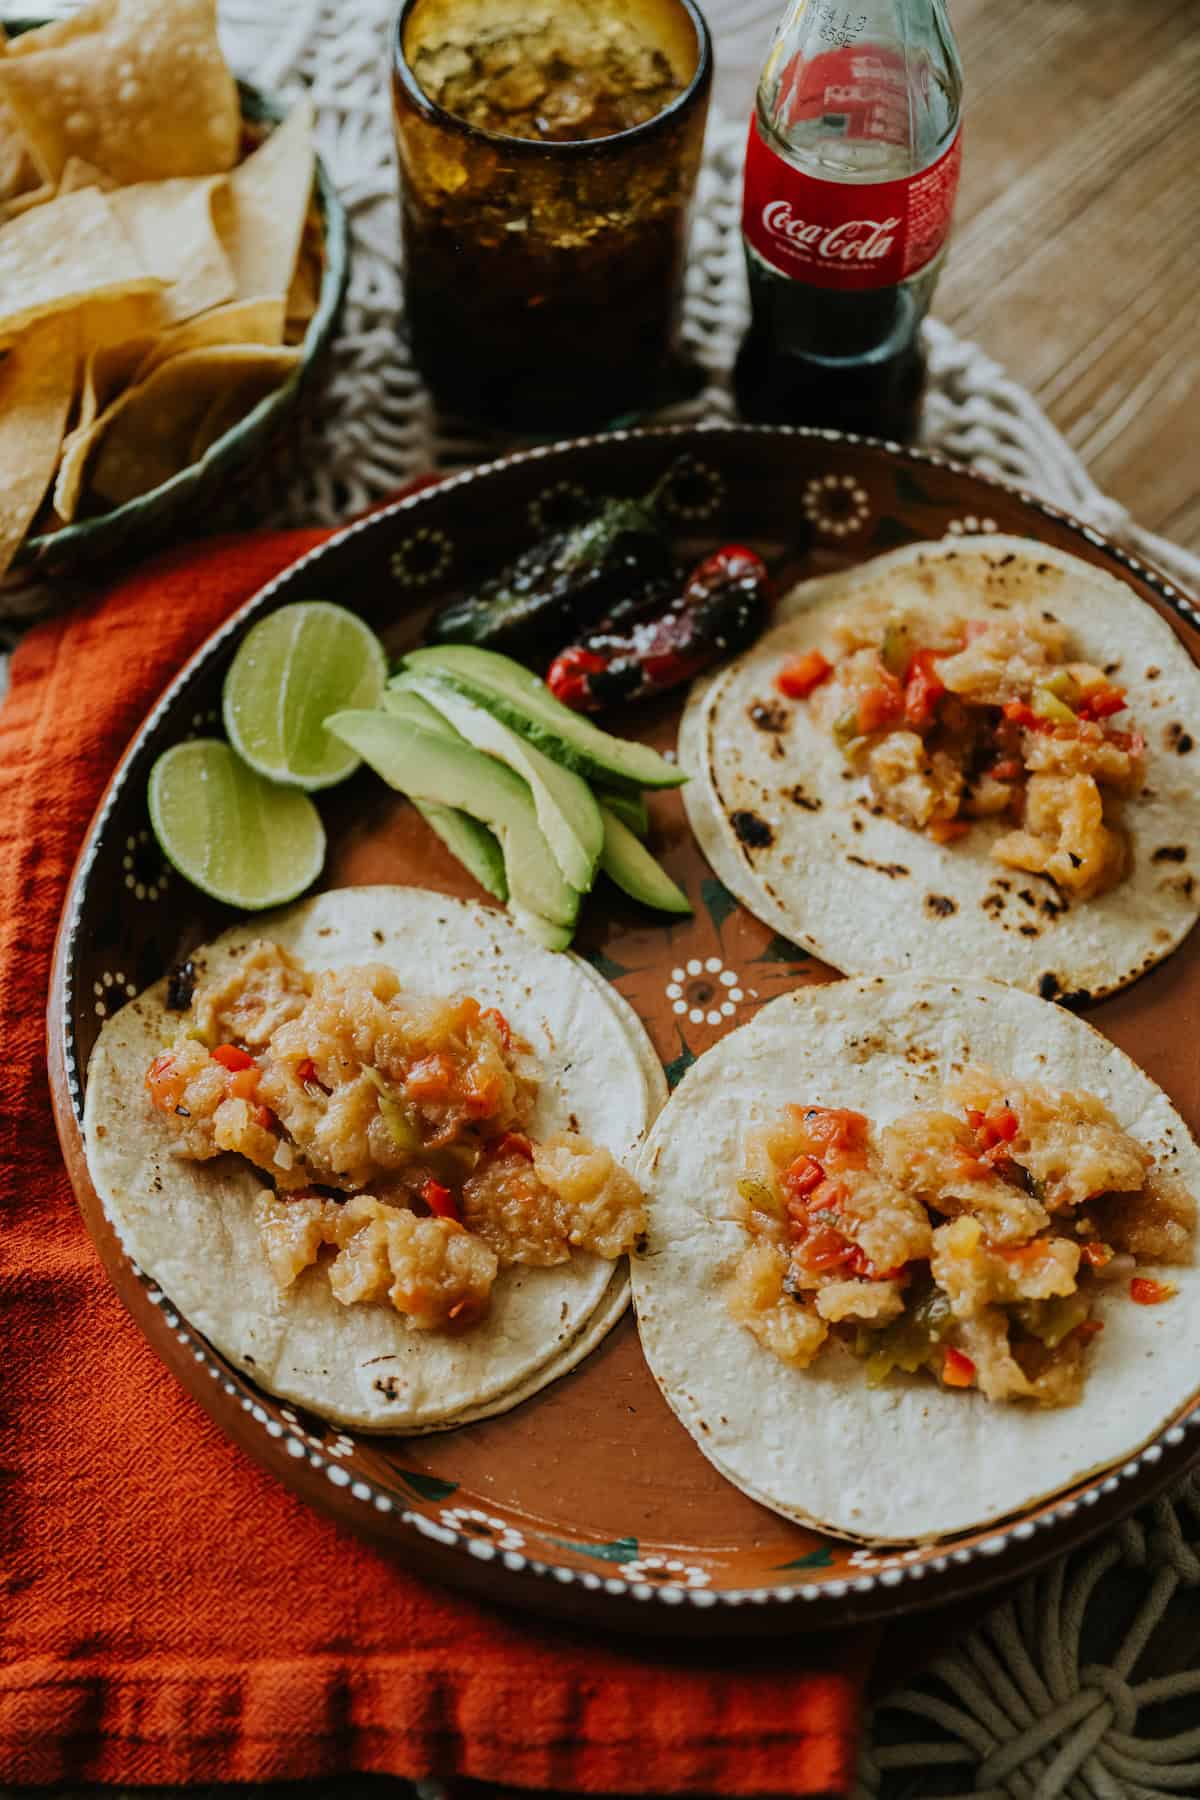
(548, 156)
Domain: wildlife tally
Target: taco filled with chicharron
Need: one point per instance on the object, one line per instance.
(962, 758)
(372, 1147)
(919, 1254)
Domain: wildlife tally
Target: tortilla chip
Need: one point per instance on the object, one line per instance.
(262, 218)
(145, 436)
(170, 225)
(37, 381)
(138, 88)
(107, 372)
(304, 293)
(114, 366)
(68, 250)
(84, 23)
(252, 322)
(79, 174)
(17, 173)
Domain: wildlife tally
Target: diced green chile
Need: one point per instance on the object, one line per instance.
(907, 1341)
(1052, 1320)
(396, 1115)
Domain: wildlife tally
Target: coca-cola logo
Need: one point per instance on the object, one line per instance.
(851, 241)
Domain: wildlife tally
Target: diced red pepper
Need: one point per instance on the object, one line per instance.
(881, 706)
(1089, 1329)
(243, 1083)
(1151, 1293)
(946, 831)
(1133, 742)
(1096, 1255)
(515, 1143)
(440, 1201)
(825, 1249)
(957, 1370)
(1018, 713)
(481, 1096)
(835, 1136)
(430, 1079)
(306, 1071)
(230, 1057)
(999, 1127)
(502, 1027)
(164, 1083)
(859, 1264)
(803, 1175)
(1024, 1255)
(802, 674)
(265, 1117)
(923, 688)
(1008, 770)
(1102, 704)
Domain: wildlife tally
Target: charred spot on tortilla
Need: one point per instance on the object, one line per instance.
(1170, 853)
(940, 906)
(798, 797)
(1048, 985)
(1029, 931)
(750, 830)
(378, 936)
(769, 715)
(856, 823)
(1178, 739)
(388, 1386)
(890, 869)
(181, 985)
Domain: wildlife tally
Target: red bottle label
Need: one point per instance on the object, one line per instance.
(839, 234)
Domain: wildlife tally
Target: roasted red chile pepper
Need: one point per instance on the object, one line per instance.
(723, 606)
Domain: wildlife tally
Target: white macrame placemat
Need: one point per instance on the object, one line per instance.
(1073, 1686)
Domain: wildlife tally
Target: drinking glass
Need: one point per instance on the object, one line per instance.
(548, 157)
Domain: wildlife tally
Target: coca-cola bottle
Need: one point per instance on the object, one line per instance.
(851, 173)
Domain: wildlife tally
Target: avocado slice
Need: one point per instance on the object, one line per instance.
(629, 808)
(566, 811)
(542, 931)
(524, 701)
(464, 837)
(632, 867)
(441, 770)
(472, 843)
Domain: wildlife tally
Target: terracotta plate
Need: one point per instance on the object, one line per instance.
(590, 1499)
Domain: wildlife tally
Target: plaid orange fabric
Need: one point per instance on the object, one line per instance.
(167, 1612)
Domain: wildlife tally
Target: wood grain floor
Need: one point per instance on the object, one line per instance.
(1076, 255)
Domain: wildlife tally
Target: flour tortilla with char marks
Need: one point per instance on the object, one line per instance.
(191, 1226)
(908, 1461)
(790, 829)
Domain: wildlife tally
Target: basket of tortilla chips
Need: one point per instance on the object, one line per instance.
(172, 259)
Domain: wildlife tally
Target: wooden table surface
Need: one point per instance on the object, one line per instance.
(1076, 256)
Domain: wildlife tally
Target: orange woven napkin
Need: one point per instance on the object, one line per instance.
(168, 1613)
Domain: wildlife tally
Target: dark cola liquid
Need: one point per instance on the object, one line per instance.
(816, 356)
(543, 339)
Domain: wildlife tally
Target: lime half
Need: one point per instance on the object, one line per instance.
(235, 836)
(292, 670)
